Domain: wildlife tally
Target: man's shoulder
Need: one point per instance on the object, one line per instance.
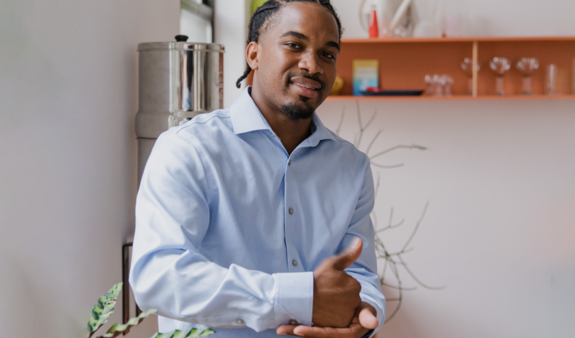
(202, 126)
(212, 121)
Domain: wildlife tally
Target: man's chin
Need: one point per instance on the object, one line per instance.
(298, 110)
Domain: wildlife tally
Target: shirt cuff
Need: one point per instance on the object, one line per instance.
(369, 334)
(294, 298)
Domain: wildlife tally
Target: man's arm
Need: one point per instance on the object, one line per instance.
(168, 273)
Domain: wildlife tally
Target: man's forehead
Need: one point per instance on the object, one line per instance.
(308, 19)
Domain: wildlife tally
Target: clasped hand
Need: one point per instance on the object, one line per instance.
(337, 307)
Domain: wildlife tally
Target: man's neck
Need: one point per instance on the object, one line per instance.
(291, 132)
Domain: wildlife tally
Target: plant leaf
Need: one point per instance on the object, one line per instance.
(103, 309)
(207, 332)
(117, 329)
(191, 333)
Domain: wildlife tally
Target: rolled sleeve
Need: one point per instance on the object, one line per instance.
(294, 298)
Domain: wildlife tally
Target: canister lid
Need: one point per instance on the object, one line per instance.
(180, 44)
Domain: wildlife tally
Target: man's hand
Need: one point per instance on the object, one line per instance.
(335, 293)
(364, 321)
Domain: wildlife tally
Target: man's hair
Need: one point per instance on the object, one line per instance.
(260, 19)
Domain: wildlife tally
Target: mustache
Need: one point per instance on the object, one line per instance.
(316, 78)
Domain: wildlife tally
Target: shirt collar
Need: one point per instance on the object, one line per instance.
(246, 117)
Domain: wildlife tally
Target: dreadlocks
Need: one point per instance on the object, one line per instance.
(260, 22)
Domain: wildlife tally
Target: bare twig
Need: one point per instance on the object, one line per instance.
(392, 261)
(338, 130)
(387, 166)
(373, 141)
(413, 146)
(416, 226)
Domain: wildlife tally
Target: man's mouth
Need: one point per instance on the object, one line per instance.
(306, 87)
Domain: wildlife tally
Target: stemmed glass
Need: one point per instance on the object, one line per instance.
(527, 66)
(430, 85)
(439, 83)
(448, 83)
(499, 66)
(467, 67)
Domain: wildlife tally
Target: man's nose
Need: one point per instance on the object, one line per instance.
(309, 61)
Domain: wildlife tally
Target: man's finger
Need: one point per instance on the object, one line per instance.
(367, 319)
(283, 330)
(350, 255)
(354, 330)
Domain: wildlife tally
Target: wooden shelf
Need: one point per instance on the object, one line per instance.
(404, 62)
(460, 39)
(449, 98)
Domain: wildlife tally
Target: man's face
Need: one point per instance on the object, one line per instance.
(297, 59)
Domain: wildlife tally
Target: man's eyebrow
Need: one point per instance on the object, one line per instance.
(296, 35)
(304, 37)
(333, 44)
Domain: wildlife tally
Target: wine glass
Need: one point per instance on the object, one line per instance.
(499, 66)
(527, 66)
(448, 83)
(467, 67)
(438, 82)
(429, 83)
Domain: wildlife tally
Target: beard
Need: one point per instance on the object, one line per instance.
(297, 111)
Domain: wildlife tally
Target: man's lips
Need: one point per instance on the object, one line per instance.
(306, 83)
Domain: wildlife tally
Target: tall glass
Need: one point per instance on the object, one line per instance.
(467, 67)
(551, 80)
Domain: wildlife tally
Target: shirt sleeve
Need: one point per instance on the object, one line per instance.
(170, 275)
(365, 268)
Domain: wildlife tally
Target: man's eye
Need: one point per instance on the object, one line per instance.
(329, 56)
(292, 45)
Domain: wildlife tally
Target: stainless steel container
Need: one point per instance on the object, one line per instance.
(178, 80)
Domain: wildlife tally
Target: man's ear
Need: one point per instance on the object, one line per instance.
(252, 55)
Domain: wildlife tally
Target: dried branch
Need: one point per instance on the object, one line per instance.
(392, 261)
(413, 146)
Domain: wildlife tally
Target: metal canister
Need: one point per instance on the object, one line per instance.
(177, 81)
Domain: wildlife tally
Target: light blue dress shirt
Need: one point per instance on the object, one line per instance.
(229, 226)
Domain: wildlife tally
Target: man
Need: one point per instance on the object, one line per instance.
(247, 217)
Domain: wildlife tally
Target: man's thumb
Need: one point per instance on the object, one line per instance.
(367, 319)
(350, 255)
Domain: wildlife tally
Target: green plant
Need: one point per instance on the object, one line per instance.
(105, 307)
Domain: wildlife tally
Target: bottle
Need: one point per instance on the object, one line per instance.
(373, 26)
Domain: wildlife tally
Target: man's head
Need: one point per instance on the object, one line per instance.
(292, 48)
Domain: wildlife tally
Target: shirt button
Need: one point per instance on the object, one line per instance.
(293, 322)
(289, 162)
(294, 262)
(239, 321)
(290, 211)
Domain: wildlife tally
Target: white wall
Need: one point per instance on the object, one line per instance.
(68, 97)
(500, 226)
(487, 17)
(500, 229)
(230, 29)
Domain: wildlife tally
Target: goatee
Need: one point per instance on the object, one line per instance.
(297, 111)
